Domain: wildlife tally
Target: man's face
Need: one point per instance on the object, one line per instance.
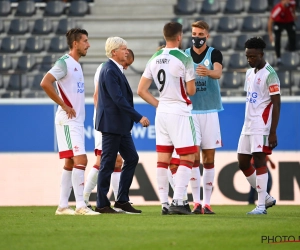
(121, 53)
(198, 32)
(82, 45)
(254, 57)
(128, 62)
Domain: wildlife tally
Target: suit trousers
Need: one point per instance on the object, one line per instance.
(111, 145)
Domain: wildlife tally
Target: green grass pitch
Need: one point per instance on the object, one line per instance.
(230, 228)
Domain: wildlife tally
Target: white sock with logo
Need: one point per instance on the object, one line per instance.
(183, 176)
(78, 185)
(65, 188)
(163, 183)
(261, 187)
(208, 180)
(114, 182)
(171, 178)
(90, 184)
(195, 182)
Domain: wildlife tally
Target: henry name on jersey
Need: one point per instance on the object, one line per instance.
(162, 61)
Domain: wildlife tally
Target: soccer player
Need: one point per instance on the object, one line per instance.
(206, 105)
(173, 73)
(69, 120)
(258, 137)
(92, 177)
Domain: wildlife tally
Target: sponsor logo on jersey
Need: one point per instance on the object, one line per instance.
(252, 97)
(274, 88)
(209, 184)
(258, 81)
(258, 146)
(80, 87)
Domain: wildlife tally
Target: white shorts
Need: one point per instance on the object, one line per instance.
(98, 142)
(249, 144)
(175, 131)
(208, 131)
(70, 140)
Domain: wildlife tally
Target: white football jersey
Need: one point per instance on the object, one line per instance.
(70, 85)
(171, 69)
(259, 88)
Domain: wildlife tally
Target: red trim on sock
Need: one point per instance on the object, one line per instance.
(188, 164)
(117, 170)
(196, 164)
(261, 170)
(249, 171)
(208, 165)
(96, 167)
(97, 152)
(175, 161)
(79, 167)
(162, 165)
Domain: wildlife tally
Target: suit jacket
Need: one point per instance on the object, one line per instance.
(115, 109)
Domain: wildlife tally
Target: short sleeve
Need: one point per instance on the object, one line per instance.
(190, 71)
(59, 70)
(273, 83)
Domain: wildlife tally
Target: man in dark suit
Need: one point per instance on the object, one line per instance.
(115, 117)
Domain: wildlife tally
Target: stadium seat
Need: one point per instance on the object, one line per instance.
(10, 44)
(260, 6)
(35, 94)
(18, 26)
(186, 26)
(285, 78)
(17, 82)
(58, 44)
(210, 7)
(36, 81)
(34, 44)
(221, 42)
(64, 25)
(240, 41)
(10, 94)
(5, 8)
(227, 24)
(47, 62)
(289, 60)
(251, 24)
(185, 7)
(5, 63)
(26, 8)
(208, 20)
(1, 26)
(42, 26)
(237, 61)
(234, 7)
(232, 80)
(26, 63)
(78, 8)
(297, 23)
(269, 45)
(270, 57)
(54, 8)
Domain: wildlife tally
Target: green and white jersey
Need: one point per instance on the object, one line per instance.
(259, 87)
(171, 69)
(70, 85)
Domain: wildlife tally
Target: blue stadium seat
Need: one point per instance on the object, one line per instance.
(65, 24)
(58, 44)
(186, 26)
(185, 7)
(18, 27)
(260, 6)
(221, 42)
(240, 41)
(54, 8)
(285, 79)
(5, 8)
(26, 8)
(232, 80)
(5, 63)
(251, 24)
(26, 62)
(290, 60)
(34, 44)
(42, 26)
(210, 7)
(10, 44)
(208, 20)
(237, 61)
(234, 7)
(227, 24)
(78, 8)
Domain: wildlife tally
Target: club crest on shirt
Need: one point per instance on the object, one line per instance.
(206, 62)
(258, 81)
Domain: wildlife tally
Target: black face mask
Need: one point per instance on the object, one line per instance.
(198, 42)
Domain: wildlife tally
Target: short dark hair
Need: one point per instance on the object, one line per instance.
(75, 35)
(171, 30)
(131, 53)
(255, 43)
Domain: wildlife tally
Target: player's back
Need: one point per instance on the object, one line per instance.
(170, 70)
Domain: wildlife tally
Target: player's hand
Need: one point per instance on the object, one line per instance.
(70, 111)
(272, 165)
(202, 70)
(271, 38)
(272, 140)
(144, 121)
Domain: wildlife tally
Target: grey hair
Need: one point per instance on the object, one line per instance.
(113, 43)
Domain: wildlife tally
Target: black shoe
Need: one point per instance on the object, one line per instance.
(90, 207)
(106, 210)
(176, 209)
(127, 208)
(164, 211)
(198, 209)
(187, 206)
(207, 210)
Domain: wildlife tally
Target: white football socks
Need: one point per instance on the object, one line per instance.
(65, 188)
(208, 180)
(195, 182)
(182, 179)
(90, 184)
(162, 184)
(261, 188)
(114, 182)
(78, 186)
